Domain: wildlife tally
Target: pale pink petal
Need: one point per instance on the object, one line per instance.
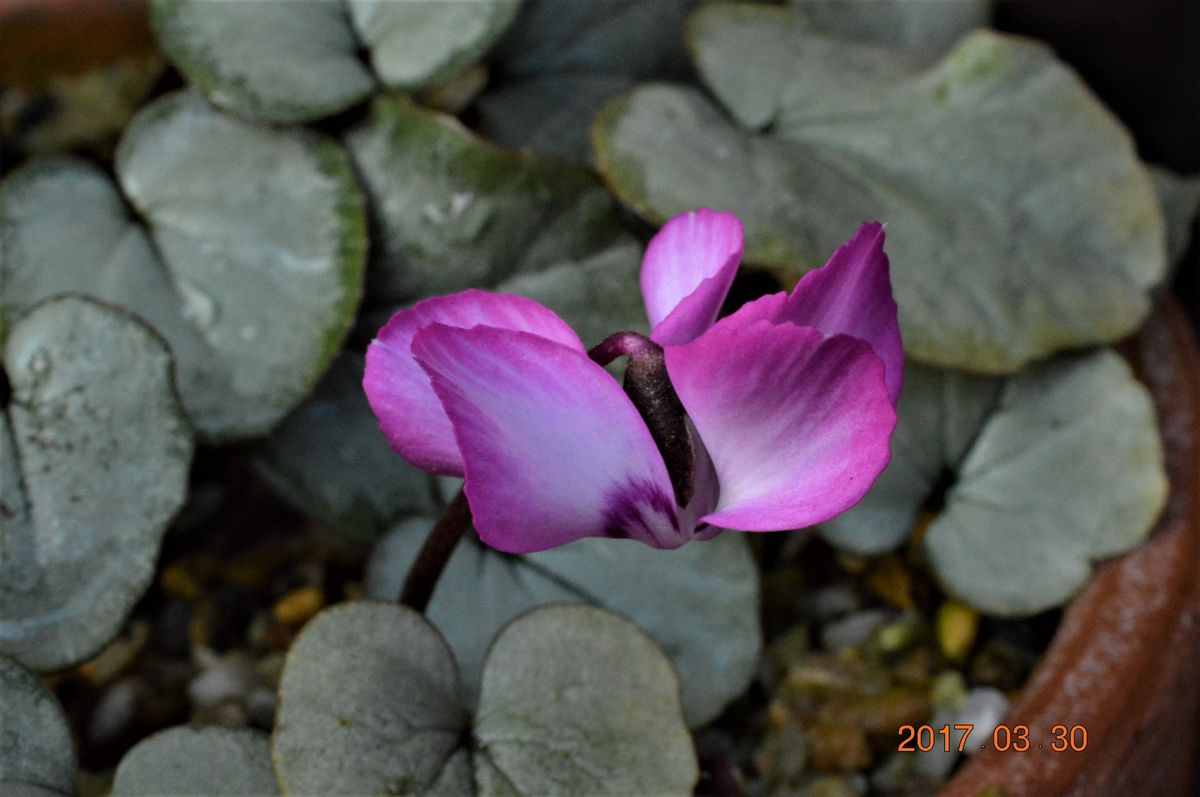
(398, 389)
(553, 449)
(852, 294)
(797, 423)
(686, 273)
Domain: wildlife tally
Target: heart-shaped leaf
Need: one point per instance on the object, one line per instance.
(560, 62)
(415, 43)
(1067, 470)
(700, 602)
(1048, 472)
(574, 700)
(273, 60)
(252, 270)
(454, 212)
(1013, 233)
(283, 61)
(37, 757)
(195, 760)
(94, 459)
(329, 460)
(96, 454)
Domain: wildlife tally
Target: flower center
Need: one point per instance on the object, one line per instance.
(650, 390)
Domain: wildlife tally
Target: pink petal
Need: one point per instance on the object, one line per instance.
(398, 390)
(852, 294)
(552, 448)
(686, 273)
(797, 424)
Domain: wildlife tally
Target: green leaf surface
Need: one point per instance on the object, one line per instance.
(329, 460)
(1180, 198)
(575, 700)
(198, 761)
(924, 28)
(940, 414)
(1043, 475)
(37, 756)
(1013, 233)
(269, 60)
(251, 270)
(700, 602)
(560, 62)
(94, 459)
(417, 42)
(263, 234)
(454, 212)
(369, 704)
(288, 61)
(1067, 471)
(596, 294)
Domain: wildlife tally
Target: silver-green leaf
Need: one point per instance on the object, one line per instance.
(270, 60)
(37, 756)
(298, 60)
(560, 62)
(577, 700)
(94, 459)
(1013, 232)
(940, 414)
(198, 761)
(574, 700)
(453, 211)
(700, 602)
(925, 28)
(1044, 474)
(329, 460)
(417, 42)
(245, 230)
(369, 704)
(263, 234)
(1180, 198)
(1067, 471)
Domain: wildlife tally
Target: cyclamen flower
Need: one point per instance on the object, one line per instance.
(789, 401)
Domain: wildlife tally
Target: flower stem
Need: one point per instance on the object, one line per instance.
(431, 559)
(623, 344)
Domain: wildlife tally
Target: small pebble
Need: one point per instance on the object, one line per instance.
(119, 654)
(231, 678)
(298, 606)
(957, 626)
(833, 601)
(260, 707)
(178, 581)
(114, 712)
(854, 630)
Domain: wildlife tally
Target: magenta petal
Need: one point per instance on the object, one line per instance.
(552, 448)
(852, 294)
(797, 424)
(686, 273)
(398, 389)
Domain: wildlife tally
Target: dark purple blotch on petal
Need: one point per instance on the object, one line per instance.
(630, 511)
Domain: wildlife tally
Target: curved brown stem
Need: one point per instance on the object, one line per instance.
(431, 559)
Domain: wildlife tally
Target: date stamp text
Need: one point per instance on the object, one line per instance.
(1003, 738)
